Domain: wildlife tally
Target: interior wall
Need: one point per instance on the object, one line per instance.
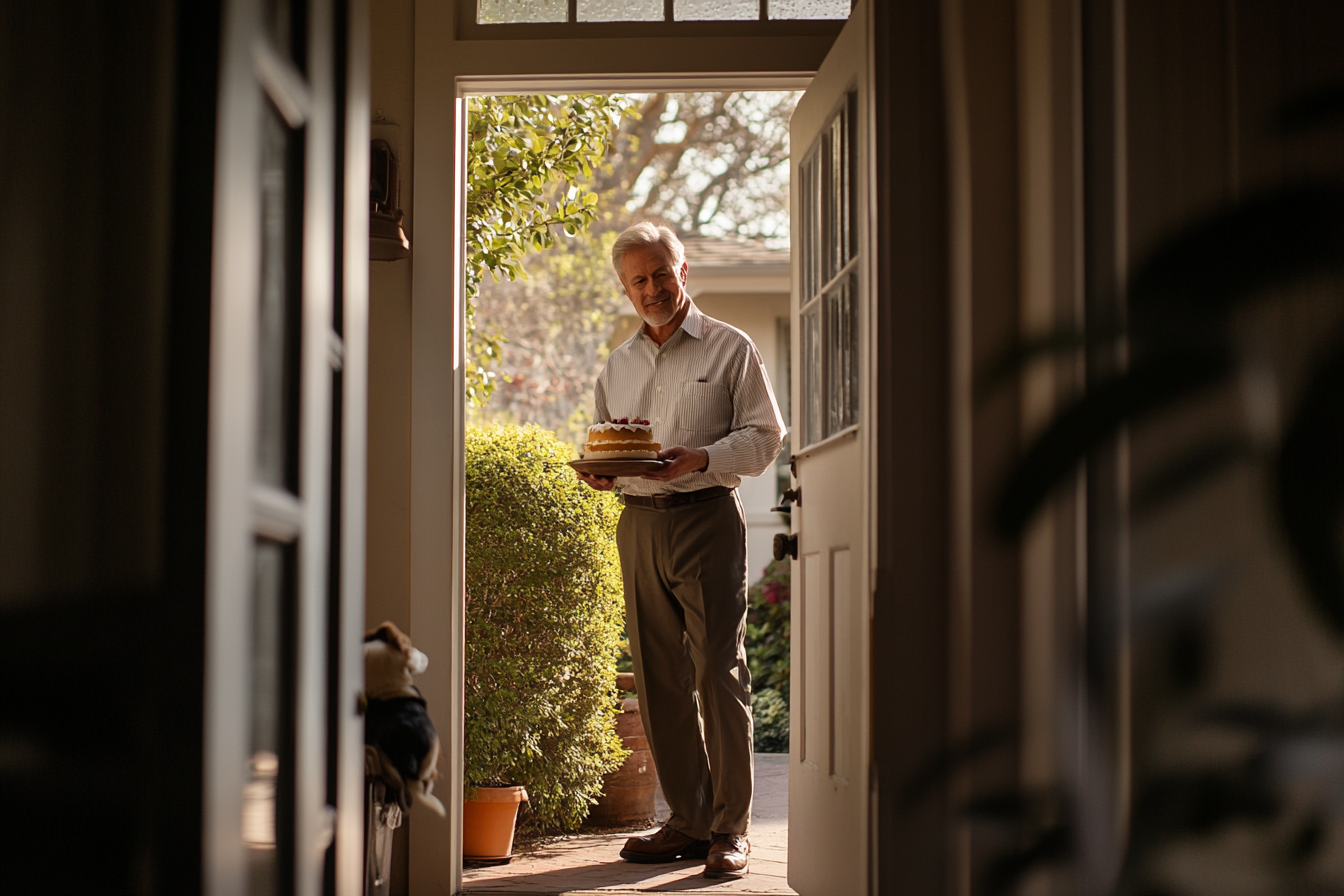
(392, 97)
(1207, 81)
(106, 166)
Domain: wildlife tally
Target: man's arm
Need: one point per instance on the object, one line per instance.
(752, 444)
(757, 434)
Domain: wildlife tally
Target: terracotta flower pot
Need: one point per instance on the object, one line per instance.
(627, 793)
(488, 823)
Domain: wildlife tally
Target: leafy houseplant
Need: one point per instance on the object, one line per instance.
(1191, 329)
(543, 624)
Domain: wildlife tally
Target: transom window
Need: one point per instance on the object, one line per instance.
(501, 12)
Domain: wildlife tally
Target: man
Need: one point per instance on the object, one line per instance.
(683, 546)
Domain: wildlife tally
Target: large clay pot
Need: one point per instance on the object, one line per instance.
(488, 823)
(627, 793)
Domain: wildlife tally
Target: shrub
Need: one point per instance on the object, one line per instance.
(768, 609)
(770, 721)
(543, 619)
(768, 629)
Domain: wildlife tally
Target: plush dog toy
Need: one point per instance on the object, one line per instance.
(400, 743)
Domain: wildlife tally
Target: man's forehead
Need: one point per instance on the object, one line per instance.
(647, 258)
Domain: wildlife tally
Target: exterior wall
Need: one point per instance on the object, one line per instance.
(758, 315)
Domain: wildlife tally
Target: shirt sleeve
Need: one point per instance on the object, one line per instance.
(600, 398)
(757, 434)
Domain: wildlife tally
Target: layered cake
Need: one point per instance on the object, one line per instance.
(623, 439)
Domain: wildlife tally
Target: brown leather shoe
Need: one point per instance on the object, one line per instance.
(666, 845)
(727, 855)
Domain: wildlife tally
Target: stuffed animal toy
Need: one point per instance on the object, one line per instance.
(400, 743)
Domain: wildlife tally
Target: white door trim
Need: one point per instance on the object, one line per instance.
(446, 72)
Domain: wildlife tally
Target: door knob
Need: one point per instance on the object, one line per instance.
(786, 546)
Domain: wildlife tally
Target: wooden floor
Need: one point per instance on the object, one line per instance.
(589, 864)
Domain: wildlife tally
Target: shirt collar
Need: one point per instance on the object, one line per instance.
(694, 324)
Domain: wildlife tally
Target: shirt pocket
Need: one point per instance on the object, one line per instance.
(705, 408)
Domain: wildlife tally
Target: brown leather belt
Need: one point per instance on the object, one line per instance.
(676, 498)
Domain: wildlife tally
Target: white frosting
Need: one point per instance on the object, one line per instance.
(621, 427)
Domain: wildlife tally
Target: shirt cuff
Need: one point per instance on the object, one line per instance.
(717, 455)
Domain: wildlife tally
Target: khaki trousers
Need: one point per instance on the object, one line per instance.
(685, 570)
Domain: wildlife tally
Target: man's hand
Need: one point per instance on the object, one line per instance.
(601, 483)
(682, 460)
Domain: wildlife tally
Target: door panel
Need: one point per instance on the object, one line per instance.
(278, 358)
(828, 784)
(813, 664)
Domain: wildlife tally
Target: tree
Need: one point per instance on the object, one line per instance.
(712, 164)
(530, 159)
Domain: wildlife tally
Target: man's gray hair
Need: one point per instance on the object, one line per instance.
(645, 235)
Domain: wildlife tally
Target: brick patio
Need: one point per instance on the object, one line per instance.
(589, 864)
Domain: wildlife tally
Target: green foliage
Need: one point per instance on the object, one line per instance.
(770, 721)
(558, 321)
(529, 160)
(544, 622)
(711, 164)
(768, 629)
(768, 609)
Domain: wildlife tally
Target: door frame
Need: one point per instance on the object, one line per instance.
(447, 71)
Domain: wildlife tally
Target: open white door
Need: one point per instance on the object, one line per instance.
(832, 284)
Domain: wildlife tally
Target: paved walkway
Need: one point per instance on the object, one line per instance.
(589, 864)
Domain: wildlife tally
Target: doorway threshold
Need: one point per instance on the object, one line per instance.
(590, 864)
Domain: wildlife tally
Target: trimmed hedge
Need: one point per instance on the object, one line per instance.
(544, 619)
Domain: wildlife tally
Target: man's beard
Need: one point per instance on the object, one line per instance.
(662, 314)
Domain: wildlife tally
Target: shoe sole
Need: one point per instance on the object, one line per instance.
(716, 874)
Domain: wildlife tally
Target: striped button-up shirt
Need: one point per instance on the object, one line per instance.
(705, 387)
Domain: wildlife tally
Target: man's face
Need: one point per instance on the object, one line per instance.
(655, 288)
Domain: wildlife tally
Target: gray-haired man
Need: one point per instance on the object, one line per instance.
(682, 541)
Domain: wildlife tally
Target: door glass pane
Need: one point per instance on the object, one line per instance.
(809, 9)
(620, 10)
(267, 793)
(492, 12)
(278, 320)
(701, 10)
(829, 387)
(835, 149)
(811, 385)
(841, 358)
(810, 206)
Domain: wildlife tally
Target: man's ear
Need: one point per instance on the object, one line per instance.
(682, 274)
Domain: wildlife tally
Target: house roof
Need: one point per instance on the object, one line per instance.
(726, 265)
(719, 251)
